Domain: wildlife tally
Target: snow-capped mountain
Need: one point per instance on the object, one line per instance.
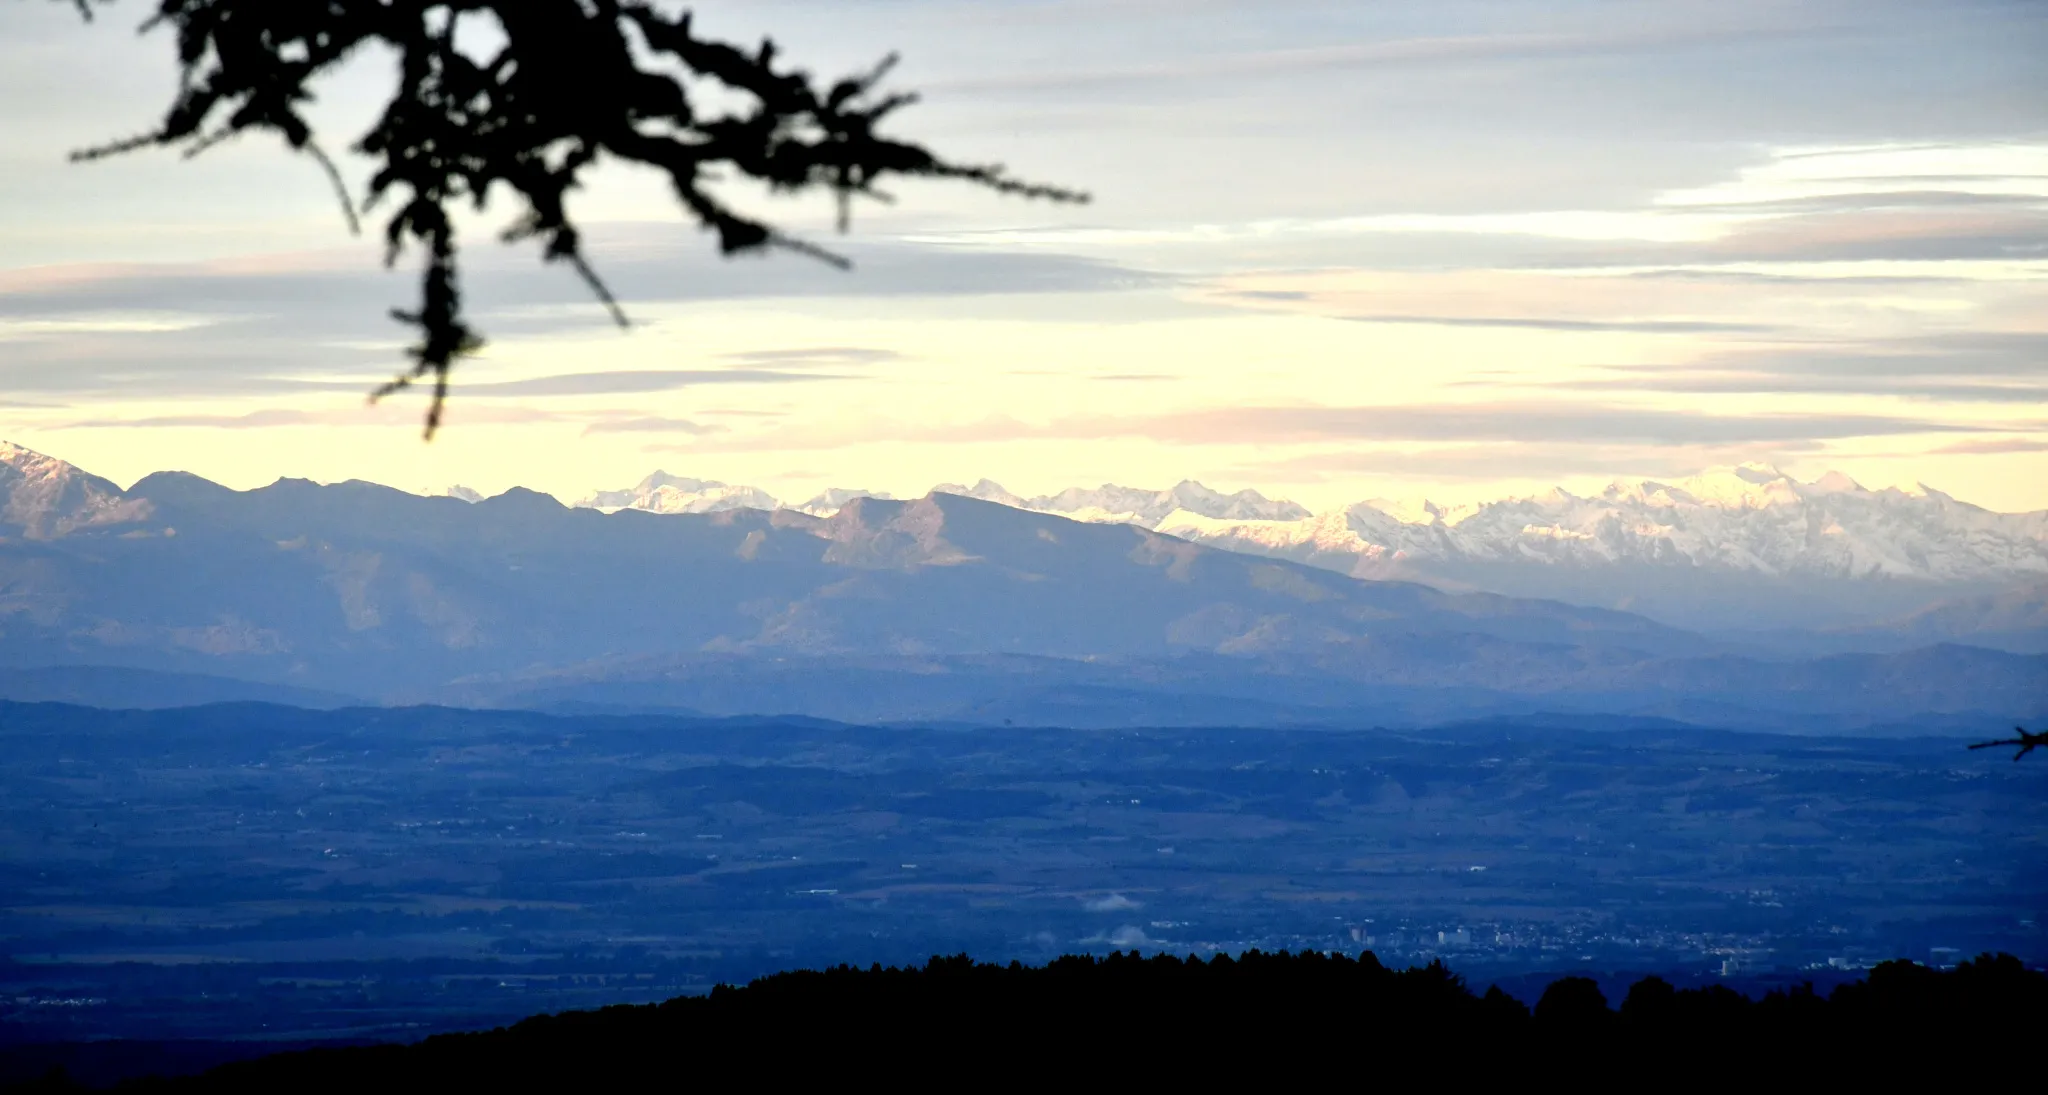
(1752, 518)
(834, 499)
(1113, 504)
(665, 493)
(43, 497)
(1733, 548)
(1107, 504)
(1745, 548)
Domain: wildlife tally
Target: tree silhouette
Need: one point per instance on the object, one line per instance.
(568, 84)
(2027, 742)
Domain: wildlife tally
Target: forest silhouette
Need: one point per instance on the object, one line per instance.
(1259, 1018)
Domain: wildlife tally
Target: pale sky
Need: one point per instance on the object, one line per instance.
(1338, 251)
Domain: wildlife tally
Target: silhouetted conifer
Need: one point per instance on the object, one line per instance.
(1131, 1019)
(562, 86)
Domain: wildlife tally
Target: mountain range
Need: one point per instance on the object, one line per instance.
(944, 608)
(1746, 551)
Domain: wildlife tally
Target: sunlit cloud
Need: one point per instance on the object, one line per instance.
(1332, 245)
(1994, 447)
(637, 381)
(651, 424)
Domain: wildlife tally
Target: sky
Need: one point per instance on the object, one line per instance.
(1336, 251)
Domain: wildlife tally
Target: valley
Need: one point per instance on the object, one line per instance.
(380, 872)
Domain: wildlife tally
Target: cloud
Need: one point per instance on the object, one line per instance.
(1869, 235)
(1269, 294)
(1427, 52)
(1528, 422)
(387, 412)
(1689, 382)
(1857, 201)
(1115, 902)
(1949, 357)
(832, 355)
(632, 382)
(319, 322)
(653, 425)
(1640, 326)
(250, 421)
(643, 263)
(1556, 423)
(1990, 447)
(224, 359)
(1483, 462)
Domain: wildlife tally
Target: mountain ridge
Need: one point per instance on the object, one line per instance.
(1739, 549)
(368, 590)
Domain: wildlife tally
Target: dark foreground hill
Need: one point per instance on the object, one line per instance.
(1270, 1019)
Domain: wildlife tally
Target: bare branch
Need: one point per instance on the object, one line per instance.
(2027, 742)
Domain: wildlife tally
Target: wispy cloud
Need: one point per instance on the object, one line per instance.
(654, 425)
(1530, 422)
(818, 355)
(1533, 323)
(254, 420)
(1995, 447)
(1380, 54)
(1496, 461)
(392, 412)
(1692, 383)
(318, 322)
(633, 382)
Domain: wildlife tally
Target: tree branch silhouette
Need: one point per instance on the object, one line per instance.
(2027, 742)
(568, 84)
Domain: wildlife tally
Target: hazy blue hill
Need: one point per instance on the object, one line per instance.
(118, 687)
(355, 582)
(885, 611)
(2012, 619)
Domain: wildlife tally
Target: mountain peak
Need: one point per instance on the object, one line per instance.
(1112, 503)
(1835, 482)
(43, 497)
(1748, 519)
(832, 499)
(987, 490)
(661, 492)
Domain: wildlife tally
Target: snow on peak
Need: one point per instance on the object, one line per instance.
(42, 497)
(1111, 503)
(1835, 482)
(833, 499)
(1408, 511)
(1751, 518)
(665, 493)
(987, 490)
(457, 491)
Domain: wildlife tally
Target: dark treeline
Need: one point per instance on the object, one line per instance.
(1258, 1017)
